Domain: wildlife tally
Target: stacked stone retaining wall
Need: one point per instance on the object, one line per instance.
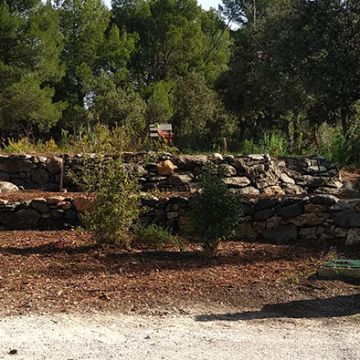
(248, 175)
(311, 220)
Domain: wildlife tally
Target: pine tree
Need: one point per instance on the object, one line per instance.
(30, 44)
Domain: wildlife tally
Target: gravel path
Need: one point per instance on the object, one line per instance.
(117, 336)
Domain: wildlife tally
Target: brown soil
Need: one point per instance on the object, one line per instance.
(36, 194)
(63, 271)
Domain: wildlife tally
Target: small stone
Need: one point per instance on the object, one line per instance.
(180, 179)
(256, 157)
(41, 159)
(273, 190)
(40, 205)
(336, 184)
(291, 211)
(315, 208)
(324, 199)
(245, 231)
(238, 181)
(54, 199)
(217, 157)
(316, 169)
(262, 183)
(249, 191)
(7, 187)
(291, 189)
(226, 170)
(309, 219)
(190, 162)
(287, 179)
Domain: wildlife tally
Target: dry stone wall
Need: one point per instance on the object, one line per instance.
(310, 220)
(285, 199)
(248, 175)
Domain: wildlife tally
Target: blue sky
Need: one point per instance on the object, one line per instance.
(206, 4)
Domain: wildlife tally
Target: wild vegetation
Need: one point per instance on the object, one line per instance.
(279, 76)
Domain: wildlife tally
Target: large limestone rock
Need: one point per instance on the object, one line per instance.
(166, 168)
(7, 187)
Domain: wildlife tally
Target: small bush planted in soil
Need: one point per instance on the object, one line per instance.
(216, 211)
(158, 237)
(118, 204)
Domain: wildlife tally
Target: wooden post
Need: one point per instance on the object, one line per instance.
(224, 146)
(62, 173)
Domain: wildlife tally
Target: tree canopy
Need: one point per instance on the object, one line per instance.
(250, 67)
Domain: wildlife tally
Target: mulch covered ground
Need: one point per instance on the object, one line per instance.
(53, 271)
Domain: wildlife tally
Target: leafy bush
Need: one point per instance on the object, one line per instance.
(118, 204)
(97, 139)
(158, 237)
(215, 213)
(273, 143)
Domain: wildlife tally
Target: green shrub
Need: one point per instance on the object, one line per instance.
(215, 211)
(273, 143)
(118, 203)
(158, 237)
(334, 145)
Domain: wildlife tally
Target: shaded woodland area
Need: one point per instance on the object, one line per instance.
(280, 76)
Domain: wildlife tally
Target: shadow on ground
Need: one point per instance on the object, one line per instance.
(337, 306)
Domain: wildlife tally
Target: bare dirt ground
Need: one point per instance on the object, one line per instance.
(118, 336)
